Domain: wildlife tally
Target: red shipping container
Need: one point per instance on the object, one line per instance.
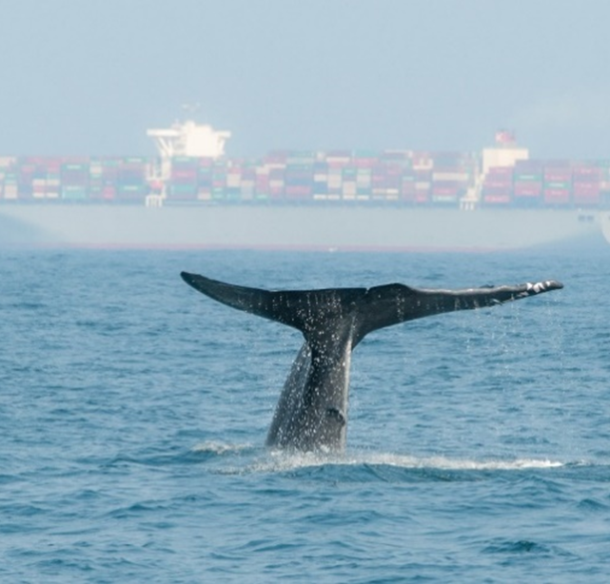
(527, 189)
(188, 175)
(364, 162)
(422, 197)
(444, 191)
(587, 194)
(205, 162)
(298, 192)
(586, 173)
(499, 183)
(586, 189)
(556, 196)
(106, 194)
(262, 184)
(557, 175)
(338, 163)
(497, 199)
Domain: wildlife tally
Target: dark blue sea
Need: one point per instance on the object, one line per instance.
(134, 411)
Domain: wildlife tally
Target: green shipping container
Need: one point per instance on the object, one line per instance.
(74, 193)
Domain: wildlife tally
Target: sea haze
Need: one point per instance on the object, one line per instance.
(134, 413)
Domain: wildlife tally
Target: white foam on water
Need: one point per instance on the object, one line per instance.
(259, 460)
(219, 448)
(281, 462)
(441, 462)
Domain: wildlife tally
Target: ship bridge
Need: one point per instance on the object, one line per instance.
(189, 139)
(181, 139)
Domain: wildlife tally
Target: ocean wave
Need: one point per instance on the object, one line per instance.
(524, 546)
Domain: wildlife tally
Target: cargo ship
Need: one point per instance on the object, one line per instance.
(191, 195)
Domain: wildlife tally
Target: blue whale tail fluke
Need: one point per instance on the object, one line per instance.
(367, 309)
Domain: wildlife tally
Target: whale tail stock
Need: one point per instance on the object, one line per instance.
(367, 309)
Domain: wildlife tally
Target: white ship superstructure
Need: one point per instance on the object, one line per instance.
(186, 139)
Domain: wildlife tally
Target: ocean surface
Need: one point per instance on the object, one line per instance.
(134, 412)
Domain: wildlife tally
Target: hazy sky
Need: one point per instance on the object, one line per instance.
(89, 77)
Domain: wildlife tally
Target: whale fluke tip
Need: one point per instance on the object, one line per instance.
(188, 278)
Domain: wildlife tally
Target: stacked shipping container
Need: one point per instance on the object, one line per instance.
(557, 185)
(400, 177)
(527, 177)
(498, 186)
(74, 180)
(587, 182)
(452, 174)
(104, 178)
(184, 179)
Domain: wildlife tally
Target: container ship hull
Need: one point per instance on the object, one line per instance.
(292, 227)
